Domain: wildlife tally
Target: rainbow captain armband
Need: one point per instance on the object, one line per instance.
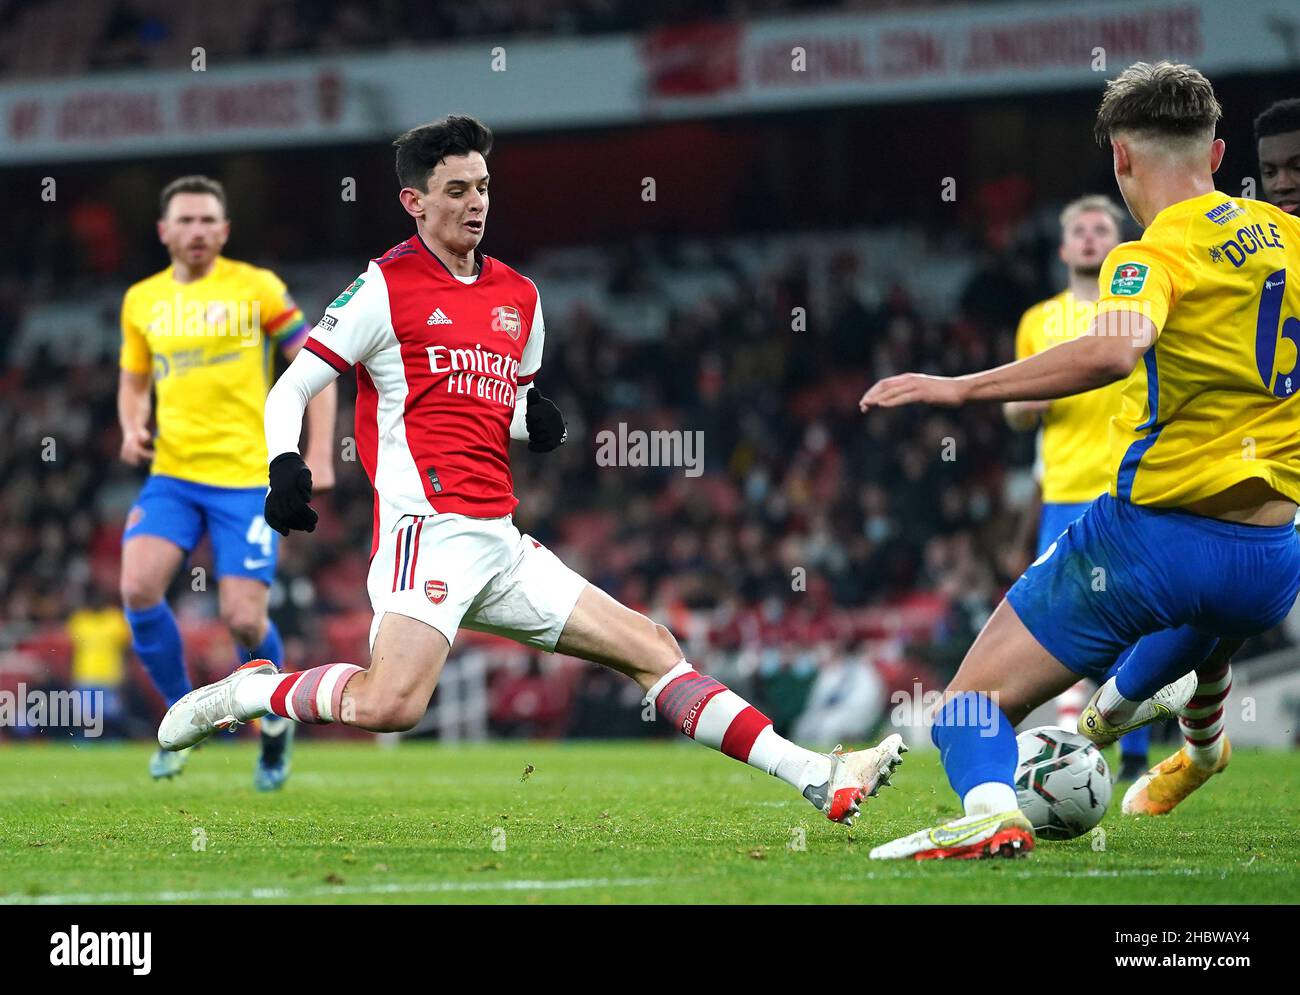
(288, 328)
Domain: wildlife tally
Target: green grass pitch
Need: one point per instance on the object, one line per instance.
(609, 822)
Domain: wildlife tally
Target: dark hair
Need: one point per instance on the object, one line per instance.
(1278, 119)
(421, 149)
(191, 184)
(1167, 99)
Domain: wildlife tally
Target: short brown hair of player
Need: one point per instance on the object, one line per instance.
(191, 184)
(1092, 202)
(1162, 99)
(421, 149)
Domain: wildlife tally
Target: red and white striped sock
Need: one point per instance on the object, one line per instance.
(1202, 719)
(709, 712)
(308, 696)
(1069, 704)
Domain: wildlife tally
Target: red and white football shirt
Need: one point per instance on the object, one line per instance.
(439, 364)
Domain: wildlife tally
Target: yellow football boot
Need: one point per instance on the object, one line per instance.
(1159, 790)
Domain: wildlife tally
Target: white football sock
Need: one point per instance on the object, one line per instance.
(1114, 707)
(797, 766)
(253, 694)
(990, 798)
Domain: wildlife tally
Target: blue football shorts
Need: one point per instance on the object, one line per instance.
(1122, 571)
(243, 545)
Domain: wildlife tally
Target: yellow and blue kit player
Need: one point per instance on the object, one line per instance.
(1074, 432)
(1193, 548)
(200, 335)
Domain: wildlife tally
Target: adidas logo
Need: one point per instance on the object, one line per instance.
(438, 318)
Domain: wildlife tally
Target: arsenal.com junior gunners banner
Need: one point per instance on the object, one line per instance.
(781, 63)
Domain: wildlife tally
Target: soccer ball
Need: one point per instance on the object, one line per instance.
(1062, 782)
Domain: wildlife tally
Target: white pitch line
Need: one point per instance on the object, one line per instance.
(271, 894)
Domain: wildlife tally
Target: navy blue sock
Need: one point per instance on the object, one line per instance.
(1136, 744)
(273, 727)
(976, 742)
(156, 639)
(1160, 658)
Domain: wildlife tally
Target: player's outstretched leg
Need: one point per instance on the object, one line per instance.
(1206, 750)
(977, 743)
(408, 656)
(254, 690)
(604, 631)
(1005, 675)
(390, 696)
(709, 712)
(211, 708)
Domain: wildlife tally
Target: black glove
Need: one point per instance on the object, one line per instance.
(545, 424)
(287, 504)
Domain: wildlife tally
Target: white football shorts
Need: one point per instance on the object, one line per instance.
(452, 571)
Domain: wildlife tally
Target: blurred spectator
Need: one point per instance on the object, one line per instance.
(528, 704)
(846, 702)
(131, 35)
(100, 637)
(128, 33)
(810, 530)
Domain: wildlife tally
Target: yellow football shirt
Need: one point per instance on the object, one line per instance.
(1076, 430)
(1211, 404)
(208, 344)
(99, 640)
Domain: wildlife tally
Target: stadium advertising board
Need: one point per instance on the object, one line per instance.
(713, 68)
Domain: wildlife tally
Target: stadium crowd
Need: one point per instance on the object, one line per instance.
(815, 540)
(62, 37)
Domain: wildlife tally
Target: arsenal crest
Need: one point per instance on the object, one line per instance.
(507, 319)
(435, 591)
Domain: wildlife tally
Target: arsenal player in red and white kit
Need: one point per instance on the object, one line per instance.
(447, 344)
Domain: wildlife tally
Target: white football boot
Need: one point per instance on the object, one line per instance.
(855, 775)
(208, 709)
(1164, 704)
(972, 837)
